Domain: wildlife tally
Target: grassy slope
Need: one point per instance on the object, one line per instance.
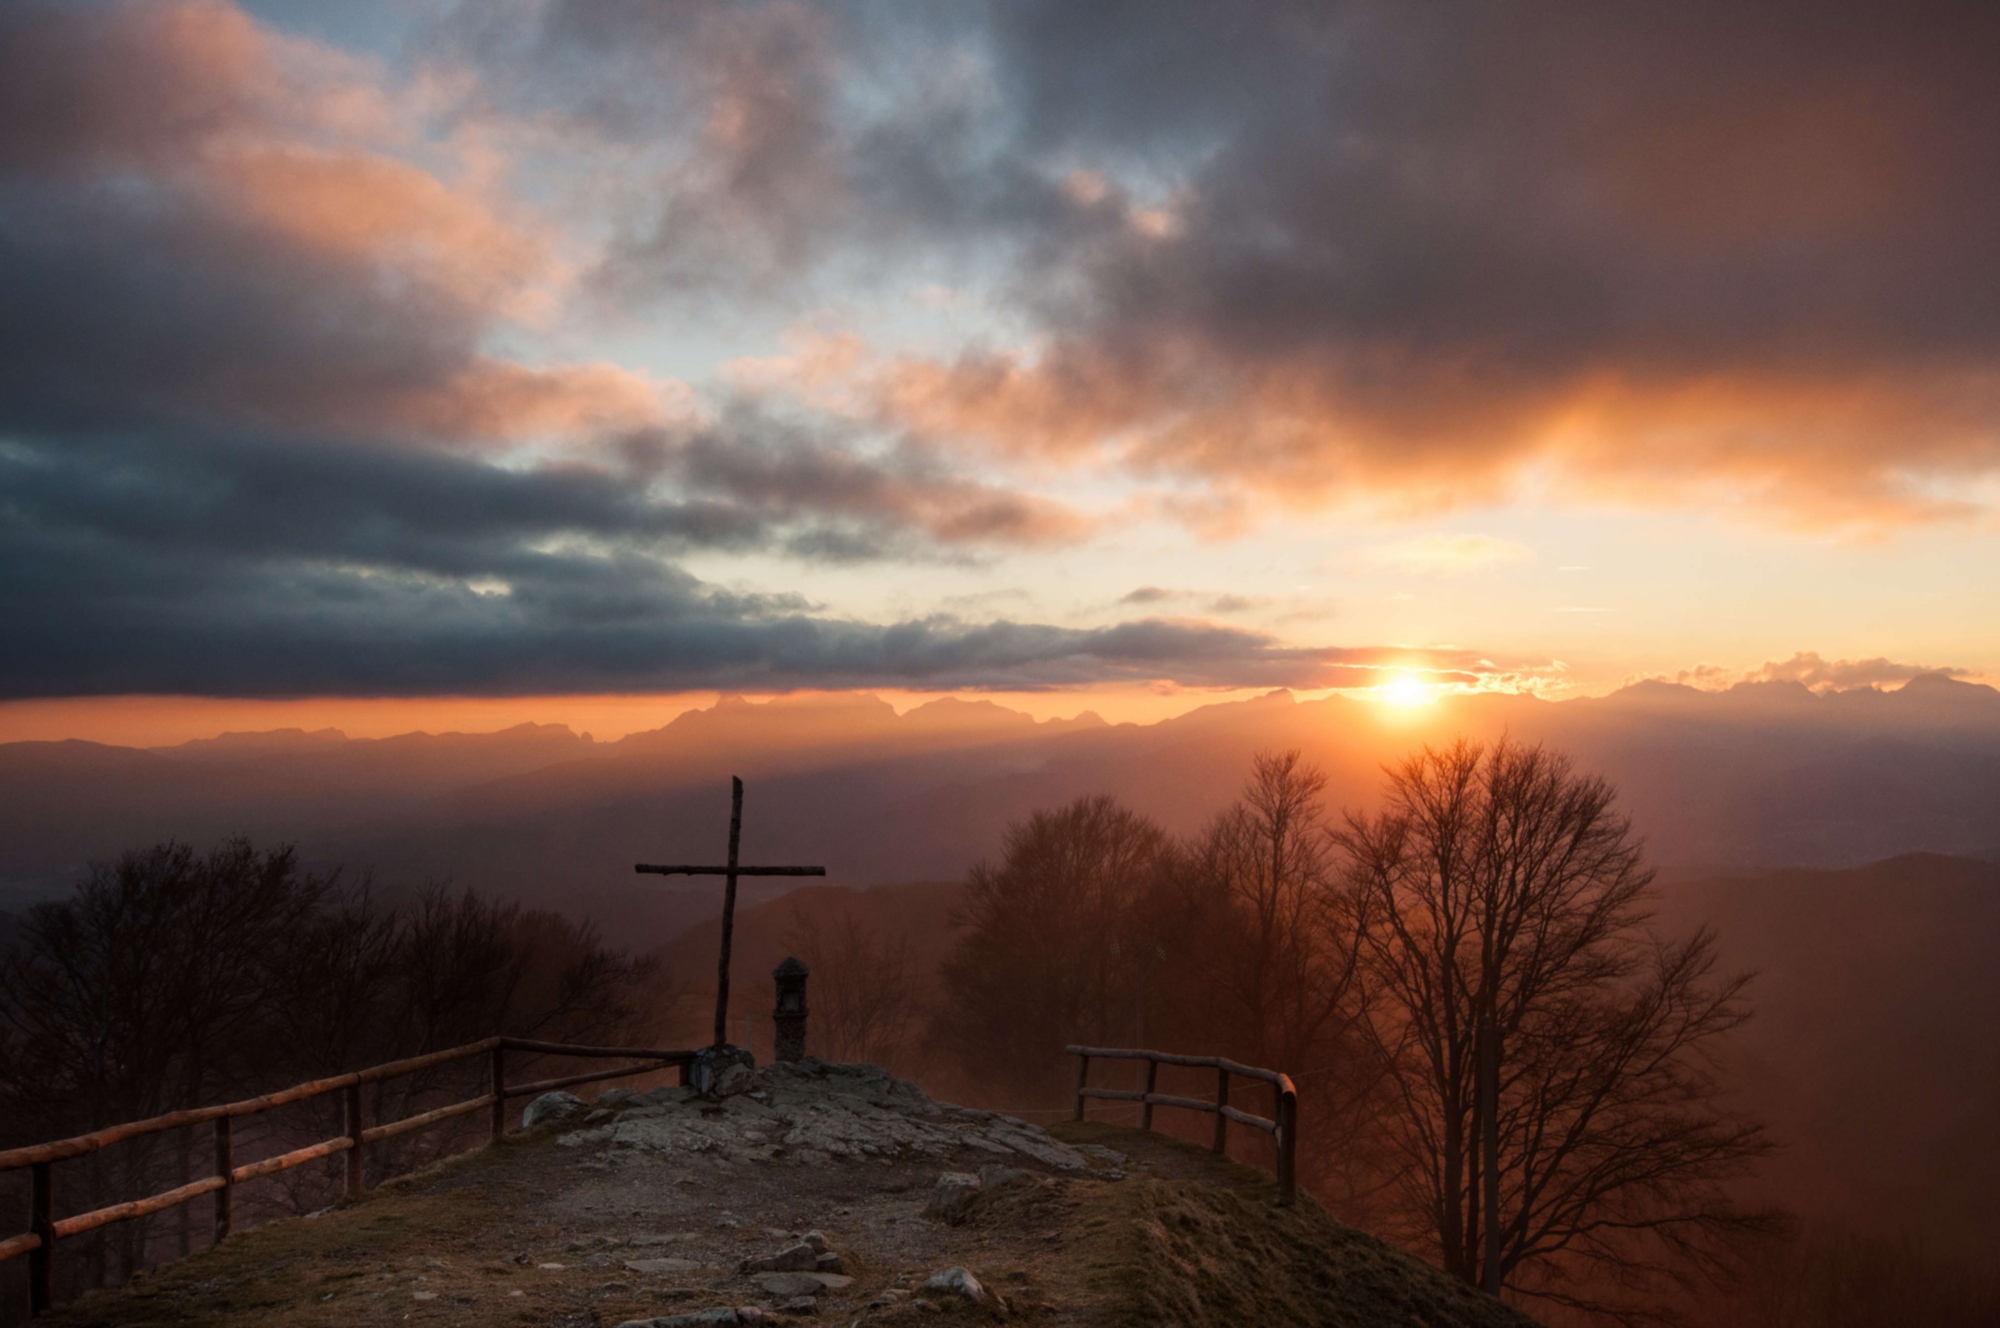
(1202, 1245)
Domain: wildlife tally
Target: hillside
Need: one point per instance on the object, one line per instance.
(648, 1205)
(1871, 1052)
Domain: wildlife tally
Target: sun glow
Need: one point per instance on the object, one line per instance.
(1406, 691)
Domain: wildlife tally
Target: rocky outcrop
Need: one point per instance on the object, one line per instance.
(810, 1112)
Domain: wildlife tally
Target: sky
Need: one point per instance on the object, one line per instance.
(427, 364)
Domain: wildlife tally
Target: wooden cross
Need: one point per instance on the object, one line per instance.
(729, 872)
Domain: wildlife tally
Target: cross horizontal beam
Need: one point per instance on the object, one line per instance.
(659, 870)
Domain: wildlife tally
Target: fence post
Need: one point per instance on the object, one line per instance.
(357, 1181)
(225, 1167)
(1221, 1101)
(499, 1092)
(1288, 1137)
(1082, 1082)
(42, 1221)
(1146, 1107)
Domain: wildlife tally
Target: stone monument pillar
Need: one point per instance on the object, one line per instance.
(790, 1016)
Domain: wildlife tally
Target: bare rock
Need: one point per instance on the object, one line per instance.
(811, 1112)
(959, 1282)
(800, 1258)
(550, 1106)
(656, 1267)
(994, 1177)
(709, 1318)
(952, 1197)
(801, 1284)
(719, 1072)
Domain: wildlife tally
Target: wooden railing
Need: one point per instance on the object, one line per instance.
(1283, 1126)
(45, 1229)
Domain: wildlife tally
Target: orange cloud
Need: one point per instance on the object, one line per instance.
(1378, 428)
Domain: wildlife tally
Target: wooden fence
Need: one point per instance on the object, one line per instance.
(45, 1229)
(1283, 1126)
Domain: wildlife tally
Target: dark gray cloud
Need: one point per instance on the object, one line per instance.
(252, 441)
(337, 572)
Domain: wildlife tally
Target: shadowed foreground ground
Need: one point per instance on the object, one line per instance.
(647, 1206)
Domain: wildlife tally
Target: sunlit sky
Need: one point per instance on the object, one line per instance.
(424, 365)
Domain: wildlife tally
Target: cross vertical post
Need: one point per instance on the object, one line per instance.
(728, 913)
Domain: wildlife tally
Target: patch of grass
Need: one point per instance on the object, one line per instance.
(1198, 1255)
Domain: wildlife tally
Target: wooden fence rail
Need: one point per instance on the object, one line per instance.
(1282, 1125)
(45, 1229)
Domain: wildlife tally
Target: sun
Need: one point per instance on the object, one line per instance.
(1405, 691)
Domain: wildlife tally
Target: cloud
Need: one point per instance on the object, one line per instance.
(257, 565)
(405, 573)
(264, 402)
(1821, 675)
(1224, 603)
(1702, 254)
(1838, 675)
(711, 132)
(1445, 555)
(251, 408)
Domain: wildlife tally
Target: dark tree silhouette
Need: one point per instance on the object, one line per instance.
(1054, 939)
(172, 978)
(1274, 937)
(1502, 884)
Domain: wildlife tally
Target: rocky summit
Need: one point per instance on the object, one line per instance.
(805, 1191)
(806, 1113)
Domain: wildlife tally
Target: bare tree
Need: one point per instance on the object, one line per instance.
(1276, 934)
(142, 993)
(1052, 942)
(1502, 885)
(867, 987)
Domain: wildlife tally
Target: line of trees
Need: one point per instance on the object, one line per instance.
(171, 978)
(1360, 956)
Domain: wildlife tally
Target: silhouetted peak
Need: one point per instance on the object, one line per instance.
(1656, 690)
(245, 743)
(1088, 719)
(807, 720)
(953, 712)
(539, 734)
(1776, 691)
(1941, 683)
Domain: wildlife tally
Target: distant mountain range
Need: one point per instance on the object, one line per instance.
(1764, 775)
